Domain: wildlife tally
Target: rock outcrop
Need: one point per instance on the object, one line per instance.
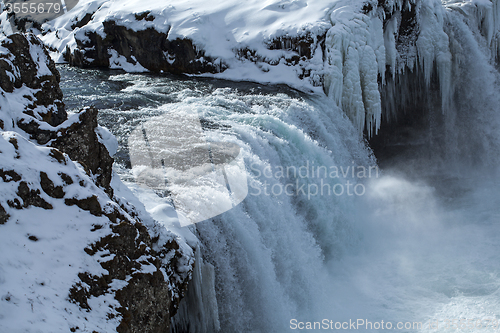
(28, 64)
(80, 141)
(28, 68)
(148, 48)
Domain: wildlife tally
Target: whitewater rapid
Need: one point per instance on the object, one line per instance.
(415, 247)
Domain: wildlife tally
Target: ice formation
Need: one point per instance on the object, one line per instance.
(360, 46)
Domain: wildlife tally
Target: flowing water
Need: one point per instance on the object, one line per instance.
(408, 244)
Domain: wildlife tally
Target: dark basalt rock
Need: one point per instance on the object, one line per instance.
(146, 300)
(4, 217)
(86, 19)
(9, 175)
(91, 204)
(81, 144)
(150, 48)
(408, 29)
(29, 197)
(144, 16)
(49, 188)
(19, 60)
(303, 46)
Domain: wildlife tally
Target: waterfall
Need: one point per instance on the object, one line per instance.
(417, 242)
(279, 257)
(269, 251)
(198, 310)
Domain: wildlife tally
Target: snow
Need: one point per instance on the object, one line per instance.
(38, 55)
(158, 215)
(216, 28)
(13, 104)
(42, 250)
(37, 273)
(107, 139)
(117, 61)
(5, 27)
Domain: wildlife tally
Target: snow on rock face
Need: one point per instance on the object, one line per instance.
(42, 240)
(77, 255)
(27, 72)
(194, 36)
(31, 104)
(137, 51)
(72, 258)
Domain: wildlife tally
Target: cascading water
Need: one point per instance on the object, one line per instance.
(269, 251)
(415, 242)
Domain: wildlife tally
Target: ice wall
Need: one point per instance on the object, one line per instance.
(367, 48)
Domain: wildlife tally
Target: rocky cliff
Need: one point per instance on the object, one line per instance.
(76, 254)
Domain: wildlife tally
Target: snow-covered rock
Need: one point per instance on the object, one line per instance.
(30, 83)
(76, 254)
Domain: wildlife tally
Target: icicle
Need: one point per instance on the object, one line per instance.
(355, 56)
(433, 47)
(390, 44)
(198, 311)
(358, 48)
(369, 88)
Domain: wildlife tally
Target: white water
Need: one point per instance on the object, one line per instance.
(269, 252)
(413, 248)
(409, 250)
(420, 245)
